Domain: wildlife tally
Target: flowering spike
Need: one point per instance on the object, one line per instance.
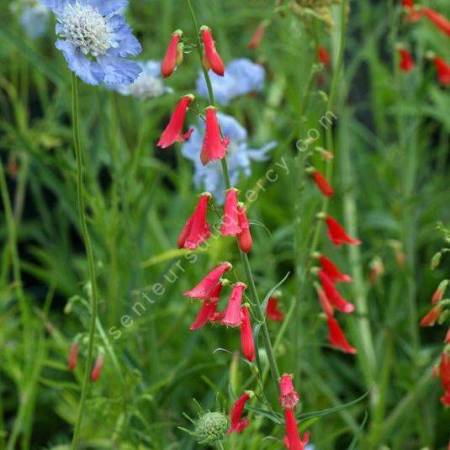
(321, 182)
(211, 58)
(174, 54)
(292, 439)
(245, 239)
(337, 234)
(323, 56)
(174, 129)
(437, 19)
(431, 317)
(444, 374)
(230, 224)
(272, 311)
(337, 337)
(406, 63)
(333, 271)
(98, 366)
(196, 230)
(288, 395)
(443, 70)
(73, 356)
(232, 316)
(247, 342)
(258, 35)
(333, 294)
(214, 146)
(206, 286)
(239, 424)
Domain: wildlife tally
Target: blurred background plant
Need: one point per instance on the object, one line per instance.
(391, 180)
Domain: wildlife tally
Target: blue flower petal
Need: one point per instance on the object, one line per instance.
(108, 7)
(118, 70)
(127, 44)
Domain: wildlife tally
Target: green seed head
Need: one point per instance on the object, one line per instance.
(211, 428)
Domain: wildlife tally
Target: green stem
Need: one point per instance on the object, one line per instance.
(90, 257)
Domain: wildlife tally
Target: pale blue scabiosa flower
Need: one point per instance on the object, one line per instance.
(149, 84)
(95, 40)
(34, 17)
(242, 77)
(239, 156)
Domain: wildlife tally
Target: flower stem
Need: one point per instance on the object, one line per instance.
(89, 253)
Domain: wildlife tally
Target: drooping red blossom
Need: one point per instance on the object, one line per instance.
(258, 35)
(196, 230)
(408, 3)
(444, 375)
(333, 272)
(327, 307)
(208, 310)
(333, 294)
(247, 342)
(174, 129)
(73, 356)
(230, 222)
(289, 397)
(214, 145)
(321, 182)
(406, 62)
(439, 292)
(443, 70)
(441, 22)
(211, 58)
(323, 56)
(239, 423)
(98, 366)
(292, 439)
(174, 54)
(273, 311)
(206, 287)
(233, 317)
(431, 317)
(337, 337)
(245, 240)
(337, 233)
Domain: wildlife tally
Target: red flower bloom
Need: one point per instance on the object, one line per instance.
(239, 424)
(196, 230)
(333, 294)
(337, 337)
(408, 3)
(258, 35)
(292, 439)
(406, 63)
(211, 58)
(443, 70)
(431, 317)
(272, 310)
(207, 313)
(174, 129)
(73, 356)
(333, 271)
(214, 146)
(174, 54)
(439, 292)
(247, 343)
(98, 366)
(327, 307)
(447, 337)
(230, 224)
(323, 56)
(245, 239)
(232, 316)
(321, 182)
(337, 234)
(444, 374)
(437, 19)
(206, 287)
(288, 395)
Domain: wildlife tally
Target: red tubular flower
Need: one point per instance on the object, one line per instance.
(196, 230)
(207, 312)
(321, 182)
(439, 292)
(73, 356)
(174, 129)
(214, 146)
(205, 288)
(406, 63)
(230, 223)
(447, 337)
(337, 337)
(288, 395)
(408, 3)
(437, 19)
(272, 311)
(327, 307)
(239, 424)
(333, 294)
(444, 375)
(258, 35)
(174, 54)
(247, 342)
(431, 317)
(333, 271)
(337, 234)
(443, 70)
(292, 439)
(211, 58)
(323, 56)
(232, 316)
(98, 366)
(245, 240)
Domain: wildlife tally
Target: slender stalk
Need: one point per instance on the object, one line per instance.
(90, 257)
